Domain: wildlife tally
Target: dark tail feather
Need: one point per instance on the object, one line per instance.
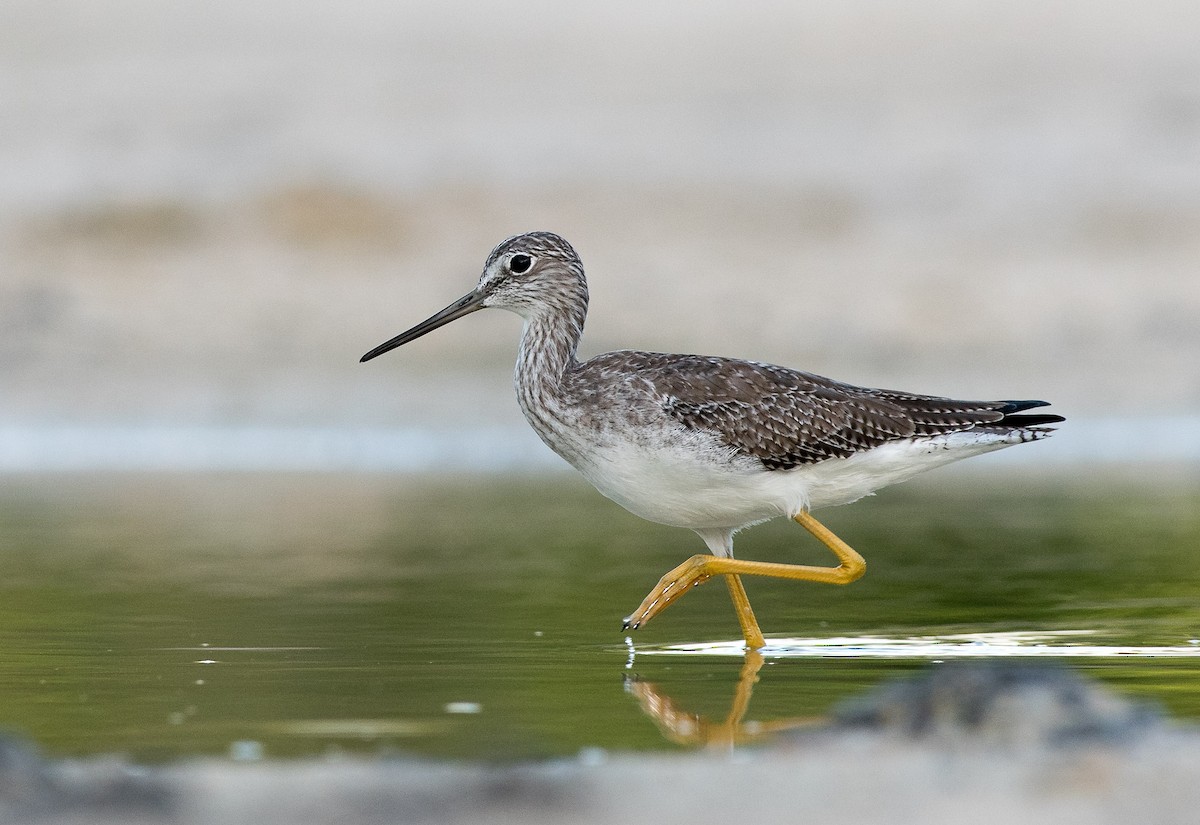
(1030, 420)
(1011, 407)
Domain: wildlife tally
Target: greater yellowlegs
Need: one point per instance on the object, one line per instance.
(714, 444)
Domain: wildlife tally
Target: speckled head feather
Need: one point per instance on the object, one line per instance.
(536, 243)
(537, 272)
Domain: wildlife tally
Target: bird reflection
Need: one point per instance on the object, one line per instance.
(694, 730)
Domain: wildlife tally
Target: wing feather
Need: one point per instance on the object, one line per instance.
(786, 418)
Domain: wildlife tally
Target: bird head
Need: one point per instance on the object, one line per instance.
(529, 274)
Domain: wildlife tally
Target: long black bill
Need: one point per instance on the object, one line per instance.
(463, 306)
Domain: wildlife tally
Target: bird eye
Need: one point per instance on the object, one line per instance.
(519, 263)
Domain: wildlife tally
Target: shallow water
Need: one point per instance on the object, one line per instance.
(286, 615)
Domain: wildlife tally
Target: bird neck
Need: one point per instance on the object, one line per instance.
(548, 347)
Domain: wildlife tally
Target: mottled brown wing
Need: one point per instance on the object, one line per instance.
(786, 418)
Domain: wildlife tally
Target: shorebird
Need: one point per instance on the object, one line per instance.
(714, 444)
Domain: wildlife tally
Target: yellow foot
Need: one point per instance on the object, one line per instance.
(670, 587)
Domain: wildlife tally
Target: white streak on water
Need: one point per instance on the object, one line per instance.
(1052, 644)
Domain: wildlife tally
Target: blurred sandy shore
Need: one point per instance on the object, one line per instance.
(986, 745)
(210, 214)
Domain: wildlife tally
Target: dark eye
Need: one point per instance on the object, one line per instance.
(520, 263)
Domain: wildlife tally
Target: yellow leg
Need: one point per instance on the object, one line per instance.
(700, 568)
(741, 606)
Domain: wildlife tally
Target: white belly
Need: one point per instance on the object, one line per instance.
(697, 485)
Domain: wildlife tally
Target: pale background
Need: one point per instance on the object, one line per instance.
(209, 211)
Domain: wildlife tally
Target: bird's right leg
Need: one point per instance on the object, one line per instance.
(745, 615)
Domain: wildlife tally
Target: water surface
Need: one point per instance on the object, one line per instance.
(169, 615)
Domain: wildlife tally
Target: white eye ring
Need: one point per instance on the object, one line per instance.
(520, 263)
